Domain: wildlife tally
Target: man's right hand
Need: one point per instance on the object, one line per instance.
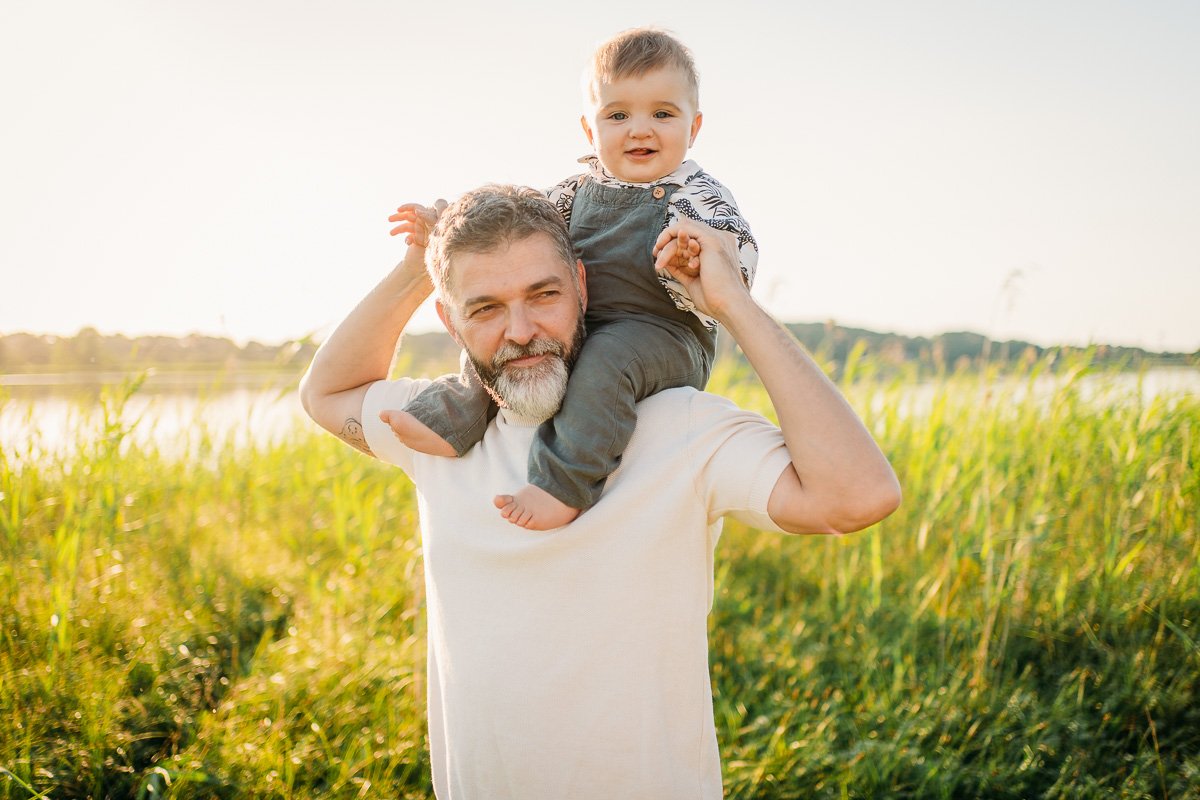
(416, 222)
(416, 225)
(360, 350)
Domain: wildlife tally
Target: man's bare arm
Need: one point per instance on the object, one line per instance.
(839, 481)
(352, 434)
(360, 350)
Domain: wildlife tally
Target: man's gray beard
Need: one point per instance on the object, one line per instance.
(531, 392)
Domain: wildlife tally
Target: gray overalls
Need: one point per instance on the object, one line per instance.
(638, 343)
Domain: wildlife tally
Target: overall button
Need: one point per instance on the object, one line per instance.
(658, 192)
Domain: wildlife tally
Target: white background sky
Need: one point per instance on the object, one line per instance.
(1018, 168)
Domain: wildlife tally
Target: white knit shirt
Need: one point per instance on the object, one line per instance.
(573, 663)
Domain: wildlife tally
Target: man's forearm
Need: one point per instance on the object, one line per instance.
(361, 348)
(844, 476)
(839, 481)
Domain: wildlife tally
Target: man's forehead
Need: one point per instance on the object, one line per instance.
(512, 264)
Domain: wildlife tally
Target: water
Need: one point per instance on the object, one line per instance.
(1110, 387)
(51, 413)
(42, 414)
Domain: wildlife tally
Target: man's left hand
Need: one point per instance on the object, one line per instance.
(713, 279)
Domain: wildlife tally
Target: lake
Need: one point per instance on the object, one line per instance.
(41, 413)
(45, 413)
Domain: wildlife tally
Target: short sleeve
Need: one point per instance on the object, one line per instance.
(704, 199)
(739, 456)
(707, 200)
(562, 195)
(389, 396)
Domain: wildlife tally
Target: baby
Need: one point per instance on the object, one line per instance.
(644, 334)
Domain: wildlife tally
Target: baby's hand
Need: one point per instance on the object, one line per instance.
(677, 252)
(416, 222)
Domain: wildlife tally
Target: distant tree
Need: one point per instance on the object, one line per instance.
(24, 350)
(436, 353)
(85, 348)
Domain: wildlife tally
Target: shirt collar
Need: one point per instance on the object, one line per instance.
(682, 175)
(513, 419)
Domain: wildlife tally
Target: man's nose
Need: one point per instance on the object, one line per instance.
(521, 327)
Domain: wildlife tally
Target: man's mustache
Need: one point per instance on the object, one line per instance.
(537, 347)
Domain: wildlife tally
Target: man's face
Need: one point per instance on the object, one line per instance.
(518, 313)
(642, 126)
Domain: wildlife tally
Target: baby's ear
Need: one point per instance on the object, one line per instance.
(696, 122)
(587, 129)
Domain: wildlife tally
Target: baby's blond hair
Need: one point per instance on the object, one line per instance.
(634, 53)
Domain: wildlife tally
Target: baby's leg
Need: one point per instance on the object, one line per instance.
(415, 435)
(620, 363)
(534, 508)
(448, 418)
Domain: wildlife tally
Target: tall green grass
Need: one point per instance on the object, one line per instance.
(248, 622)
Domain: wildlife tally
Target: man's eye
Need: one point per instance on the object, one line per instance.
(479, 311)
(549, 294)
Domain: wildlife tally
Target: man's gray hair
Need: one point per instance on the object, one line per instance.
(490, 217)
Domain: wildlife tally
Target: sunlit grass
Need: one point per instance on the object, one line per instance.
(1024, 626)
(247, 621)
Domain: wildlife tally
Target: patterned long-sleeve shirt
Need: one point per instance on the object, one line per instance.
(700, 197)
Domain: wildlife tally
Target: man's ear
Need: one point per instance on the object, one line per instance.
(587, 129)
(695, 127)
(582, 273)
(447, 318)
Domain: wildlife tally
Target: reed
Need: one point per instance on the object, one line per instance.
(219, 618)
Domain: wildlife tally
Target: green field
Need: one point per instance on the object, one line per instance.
(248, 622)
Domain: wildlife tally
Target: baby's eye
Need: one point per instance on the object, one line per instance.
(663, 115)
(618, 116)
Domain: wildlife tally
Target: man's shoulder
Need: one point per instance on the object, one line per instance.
(669, 401)
(683, 406)
(729, 456)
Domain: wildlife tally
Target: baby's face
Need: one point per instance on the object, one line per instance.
(641, 127)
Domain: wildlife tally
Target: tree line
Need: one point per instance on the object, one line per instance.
(425, 353)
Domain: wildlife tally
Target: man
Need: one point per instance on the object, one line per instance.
(573, 663)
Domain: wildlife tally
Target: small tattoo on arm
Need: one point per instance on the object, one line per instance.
(352, 434)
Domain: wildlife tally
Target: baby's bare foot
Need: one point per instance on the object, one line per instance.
(415, 435)
(535, 509)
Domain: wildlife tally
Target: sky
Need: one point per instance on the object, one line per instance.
(1021, 169)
